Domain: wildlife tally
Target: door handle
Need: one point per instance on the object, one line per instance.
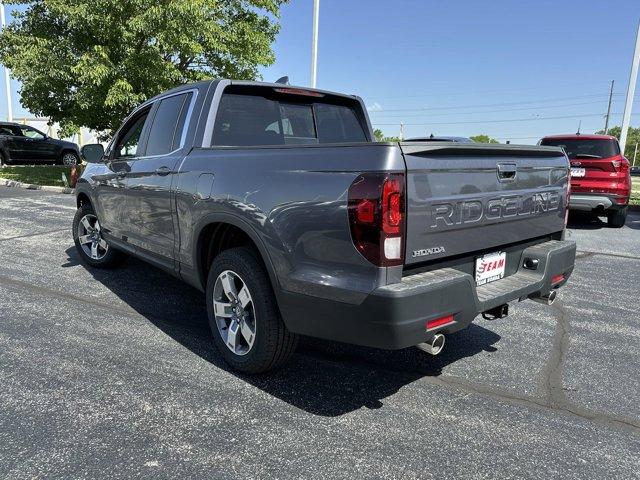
(507, 172)
(163, 171)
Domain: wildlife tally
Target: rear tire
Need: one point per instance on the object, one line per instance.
(4, 159)
(92, 249)
(261, 341)
(69, 158)
(617, 218)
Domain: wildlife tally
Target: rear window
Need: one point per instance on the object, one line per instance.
(584, 147)
(253, 120)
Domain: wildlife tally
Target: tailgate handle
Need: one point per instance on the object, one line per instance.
(507, 172)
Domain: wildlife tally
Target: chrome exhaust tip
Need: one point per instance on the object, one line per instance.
(546, 299)
(433, 346)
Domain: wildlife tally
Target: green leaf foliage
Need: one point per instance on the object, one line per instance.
(380, 136)
(483, 139)
(88, 63)
(633, 138)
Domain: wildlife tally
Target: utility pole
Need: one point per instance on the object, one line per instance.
(631, 90)
(314, 43)
(401, 131)
(606, 119)
(7, 80)
(635, 153)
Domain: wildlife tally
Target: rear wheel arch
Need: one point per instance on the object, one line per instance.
(222, 232)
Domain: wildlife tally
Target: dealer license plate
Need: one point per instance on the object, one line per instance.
(578, 172)
(490, 267)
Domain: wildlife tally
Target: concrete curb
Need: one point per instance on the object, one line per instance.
(12, 183)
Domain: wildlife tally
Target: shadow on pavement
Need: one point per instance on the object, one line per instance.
(585, 221)
(633, 220)
(588, 221)
(323, 378)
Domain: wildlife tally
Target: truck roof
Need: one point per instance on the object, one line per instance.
(214, 82)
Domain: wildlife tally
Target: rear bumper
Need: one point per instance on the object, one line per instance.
(395, 316)
(590, 202)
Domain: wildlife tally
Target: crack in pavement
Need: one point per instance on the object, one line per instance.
(587, 254)
(33, 234)
(552, 372)
(554, 400)
(504, 395)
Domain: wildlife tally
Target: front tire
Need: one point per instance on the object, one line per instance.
(87, 236)
(617, 218)
(4, 159)
(243, 313)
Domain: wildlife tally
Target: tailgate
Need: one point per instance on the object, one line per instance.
(467, 198)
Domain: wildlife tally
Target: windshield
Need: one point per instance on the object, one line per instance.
(584, 147)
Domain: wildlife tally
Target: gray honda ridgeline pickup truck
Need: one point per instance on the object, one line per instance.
(277, 202)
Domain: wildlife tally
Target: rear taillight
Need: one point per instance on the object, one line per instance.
(377, 217)
(621, 165)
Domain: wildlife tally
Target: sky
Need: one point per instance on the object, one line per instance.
(514, 70)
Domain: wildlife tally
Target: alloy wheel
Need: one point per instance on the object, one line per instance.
(90, 237)
(69, 159)
(234, 312)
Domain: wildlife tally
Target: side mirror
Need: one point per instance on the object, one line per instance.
(92, 152)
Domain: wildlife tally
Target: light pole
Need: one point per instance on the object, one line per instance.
(314, 43)
(631, 90)
(7, 81)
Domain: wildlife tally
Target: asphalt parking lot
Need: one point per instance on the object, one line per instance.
(113, 374)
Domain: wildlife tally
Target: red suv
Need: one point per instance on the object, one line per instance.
(600, 175)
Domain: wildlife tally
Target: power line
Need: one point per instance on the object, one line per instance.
(541, 107)
(504, 104)
(498, 121)
(500, 90)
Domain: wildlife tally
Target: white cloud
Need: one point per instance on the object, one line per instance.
(374, 107)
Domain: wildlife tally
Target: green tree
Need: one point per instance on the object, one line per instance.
(633, 138)
(380, 136)
(482, 138)
(89, 62)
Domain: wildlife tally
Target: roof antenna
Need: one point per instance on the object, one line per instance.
(431, 136)
(579, 125)
(283, 80)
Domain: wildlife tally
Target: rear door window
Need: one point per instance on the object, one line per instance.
(252, 120)
(168, 124)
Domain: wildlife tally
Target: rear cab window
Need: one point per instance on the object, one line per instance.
(585, 148)
(259, 116)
